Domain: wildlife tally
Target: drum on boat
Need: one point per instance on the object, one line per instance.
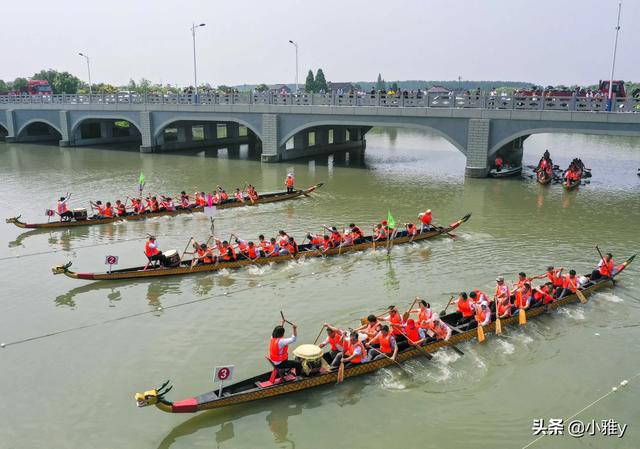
(311, 358)
(172, 258)
(80, 214)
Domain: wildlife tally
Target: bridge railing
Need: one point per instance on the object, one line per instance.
(405, 100)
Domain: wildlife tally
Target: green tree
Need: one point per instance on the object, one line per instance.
(19, 83)
(310, 84)
(132, 86)
(380, 83)
(321, 82)
(393, 86)
(262, 88)
(4, 87)
(61, 82)
(103, 88)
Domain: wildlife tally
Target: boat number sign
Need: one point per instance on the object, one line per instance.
(111, 260)
(223, 373)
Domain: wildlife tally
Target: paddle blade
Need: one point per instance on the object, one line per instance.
(340, 377)
(522, 317)
(498, 326)
(581, 297)
(480, 334)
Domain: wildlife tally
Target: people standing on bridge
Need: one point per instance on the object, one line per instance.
(289, 183)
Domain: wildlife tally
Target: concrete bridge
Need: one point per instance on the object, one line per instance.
(290, 126)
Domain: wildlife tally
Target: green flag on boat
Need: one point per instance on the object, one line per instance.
(391, 223)
(141, 181)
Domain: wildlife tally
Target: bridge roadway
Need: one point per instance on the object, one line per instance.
(290, 126)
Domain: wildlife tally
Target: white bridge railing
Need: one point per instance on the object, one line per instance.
(405, 100)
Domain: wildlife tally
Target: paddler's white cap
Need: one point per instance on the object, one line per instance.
(500, 279)
(428, 211)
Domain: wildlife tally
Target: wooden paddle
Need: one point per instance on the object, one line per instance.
(581, 296)
(424, 351)
(319, 333)
(480, 333)
(405, 316)
(444, 312)
(285, 320)
(498, 323)
(340, 376)
(606, 266)
(522, 317)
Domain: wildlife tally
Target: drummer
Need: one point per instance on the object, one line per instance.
(279, 348)
(335, 338)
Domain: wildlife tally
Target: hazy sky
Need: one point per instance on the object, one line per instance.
(246, 41)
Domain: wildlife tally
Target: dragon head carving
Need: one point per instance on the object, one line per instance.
(152, 397)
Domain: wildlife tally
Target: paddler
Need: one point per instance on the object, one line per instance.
(478, 297)
(605, 269)
(316, 241)
(289, 183)
(371, 328)
(412, 229)
(395, 319)
(185, 201)
(239, 196)
(502, 292)
(379, 233)
(482, 316)
(251, 192)
(265, 245)
(523, 299)
(203, 254)
(335, 340)
(464, 309)
(543, 295)
(569, 284)
(99, 207)
(62, 208)
(442, 330)
(555, 277)
(279, 349)
(201, 200)
(358, 236)
(499, 162)
(414, 335)
(227, 253)
(426, 218)
(387, 345)
(354, 352)
(121, 209)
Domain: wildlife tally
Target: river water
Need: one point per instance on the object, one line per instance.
(76, 351)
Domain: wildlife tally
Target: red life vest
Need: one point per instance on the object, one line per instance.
(480, 295)
(426, 218)
(317, 240)
(275, 353)
(150, 252)
(204, 254)
(242, 246)
(239, 196)
(224, 196)
(62, 207)
(502, 292)
(357, 231)
(412, 334)
(122, 210)
(336, 238)
(411, 229)
(464, 307)
(335, 340)
(289, 181)
(545, 297)
(502, 307)
(108, 212)
(480, 316)
(184, 201)
(225, 253)
(424, 315)
(200, 200)
(441, 330)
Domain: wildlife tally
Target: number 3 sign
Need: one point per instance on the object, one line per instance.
(223, 373)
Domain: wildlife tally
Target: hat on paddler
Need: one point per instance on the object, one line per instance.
(500, 279)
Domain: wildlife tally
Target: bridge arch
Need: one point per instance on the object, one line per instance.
(369, 124)
(204, 118)
(38, 120)
(525, 133)
(115, 117)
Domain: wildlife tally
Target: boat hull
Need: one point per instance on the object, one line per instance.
(210, 400)
(265, 199)
(505, 172)
(185, 268)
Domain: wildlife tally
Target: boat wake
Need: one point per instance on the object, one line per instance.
(574, 314)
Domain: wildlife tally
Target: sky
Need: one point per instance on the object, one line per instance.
(246, 41)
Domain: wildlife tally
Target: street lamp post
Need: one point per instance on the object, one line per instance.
(295, 45)
(195, 73)
(89, 72)
(613, 63)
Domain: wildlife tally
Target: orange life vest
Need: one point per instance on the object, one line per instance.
(479, 295)
(350, 348)
(108, 212)
(204, 254)
(122, 209)
(502, 307)
(555, 278)
(521, 300)
(412, 334)
(385, 343)
(606, 268)
(465, 308)
(396, 323)
(357, 231)
(239, 196)
(502, 291)
(411, 229)
(150, 252)
(441, 330)
(251, 251)
(480, 316)
(275, 353)
(224, 196)
(372, 329)
(571, 284)
(289, 181)
(225, 253)
(424, 315)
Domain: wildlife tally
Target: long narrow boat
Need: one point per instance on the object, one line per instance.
(254, 388)
(304, 251)
(232, 202)
(505, 172)
(570, 185)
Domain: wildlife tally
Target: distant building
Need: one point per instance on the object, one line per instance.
(345, 87)
(280, 88)
(438, 90)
